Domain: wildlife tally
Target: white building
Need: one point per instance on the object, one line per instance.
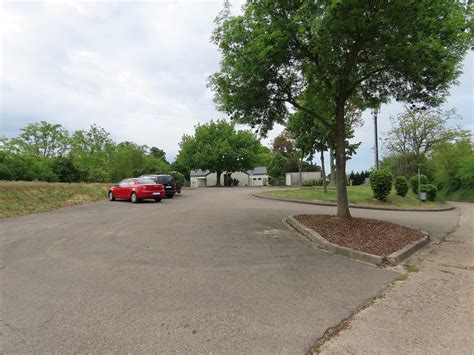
(255, 177)
(293, 179)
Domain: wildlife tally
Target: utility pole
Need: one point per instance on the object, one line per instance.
(376, 137)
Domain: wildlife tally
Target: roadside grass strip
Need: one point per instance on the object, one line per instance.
(357, 195)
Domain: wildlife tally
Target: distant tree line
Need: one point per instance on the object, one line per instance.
(358, 178)
(48, 152)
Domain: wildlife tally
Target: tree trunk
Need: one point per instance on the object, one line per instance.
(218, 182)
(299, 170)
(341, 188)
(323, 172)
(332, 167)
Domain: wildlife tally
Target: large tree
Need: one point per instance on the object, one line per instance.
(158, 153)
(91, 151)
(310, 137)
(417, 131)
(42, 139)
(285, 144)
(283, 55)
(218, 147)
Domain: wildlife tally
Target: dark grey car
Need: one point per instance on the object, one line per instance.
(166, 180)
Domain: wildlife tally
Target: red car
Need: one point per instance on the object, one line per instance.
(137, 189)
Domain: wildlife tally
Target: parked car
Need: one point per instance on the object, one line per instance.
(137, 189)
(166, 180)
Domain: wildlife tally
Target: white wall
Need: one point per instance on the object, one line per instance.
(258, 180)
(197, 181)
(293, 179)
(244, 179)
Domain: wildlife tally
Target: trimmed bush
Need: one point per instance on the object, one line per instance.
(381, 184)
(431, 191)
(308, 183)
(401, 185)
(318, 182)
(314, 182)
(277, 181)
(414, 182)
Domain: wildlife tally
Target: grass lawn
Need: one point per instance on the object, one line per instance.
(18, 198)
(358, 195)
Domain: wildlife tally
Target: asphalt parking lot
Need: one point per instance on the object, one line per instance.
(213, 270)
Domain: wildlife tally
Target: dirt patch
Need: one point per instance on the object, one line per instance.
(367, 235)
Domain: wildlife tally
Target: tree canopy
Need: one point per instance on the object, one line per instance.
(45, 151)
(42, 139)
(418, 131)
(218, 147)
(278, 56)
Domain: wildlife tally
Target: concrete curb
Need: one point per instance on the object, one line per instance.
(366, 207)
(398, 256)
(393, 259)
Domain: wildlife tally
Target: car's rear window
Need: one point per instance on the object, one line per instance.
(145, 181)
(165, 179)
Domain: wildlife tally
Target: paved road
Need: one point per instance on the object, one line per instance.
(213, 270)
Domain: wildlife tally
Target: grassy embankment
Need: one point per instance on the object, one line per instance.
(358, 195)
(463, 195)
(21, 198)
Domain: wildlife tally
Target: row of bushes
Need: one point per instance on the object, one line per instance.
(381, 182)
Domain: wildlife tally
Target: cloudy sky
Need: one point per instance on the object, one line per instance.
(138, 69)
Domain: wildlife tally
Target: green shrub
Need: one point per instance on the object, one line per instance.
(65, 170)
(401, 185)
(381, 184)
(179, 180)
(466, 172)
(414, 182)
(318, 182)
(279, 181)
(431, 191)
(314, 182)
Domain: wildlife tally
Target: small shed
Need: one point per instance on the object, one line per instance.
(198, 178)
(251, 178)
(258, 176)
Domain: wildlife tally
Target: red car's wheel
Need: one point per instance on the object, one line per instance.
(111, 196)
(134, 198)
(158, 199)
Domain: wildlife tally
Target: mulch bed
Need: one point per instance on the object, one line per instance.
(367, 235)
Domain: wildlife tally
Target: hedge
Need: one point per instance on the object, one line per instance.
(401, 185)
(381, 184)
(414, 182)
(431, 191)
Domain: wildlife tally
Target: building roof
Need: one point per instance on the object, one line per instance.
(259, 170)
(199, 172)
